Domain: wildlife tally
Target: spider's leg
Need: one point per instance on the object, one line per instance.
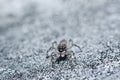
(54, 44)
(53, 57)
(51, 48)
(57, 60)
(77, 47)
(71, 57)
(74, 45)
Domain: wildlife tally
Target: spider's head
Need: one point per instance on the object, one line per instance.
(62, 47)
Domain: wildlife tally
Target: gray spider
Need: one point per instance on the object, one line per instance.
(62, 51)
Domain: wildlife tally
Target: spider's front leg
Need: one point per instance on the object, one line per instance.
(53, 58)
(54, 44)
(71, 44)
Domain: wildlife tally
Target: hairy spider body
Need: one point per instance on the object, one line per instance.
(63, 51)
(62, 46)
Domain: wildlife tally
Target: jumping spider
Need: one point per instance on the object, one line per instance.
(62, 51)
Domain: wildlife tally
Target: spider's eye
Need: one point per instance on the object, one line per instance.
(60, 49)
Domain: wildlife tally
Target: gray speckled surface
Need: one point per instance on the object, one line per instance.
(28, 27)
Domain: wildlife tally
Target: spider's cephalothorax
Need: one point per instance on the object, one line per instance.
(63, 51)
(62, 47)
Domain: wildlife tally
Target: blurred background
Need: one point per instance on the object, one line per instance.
(28, 27)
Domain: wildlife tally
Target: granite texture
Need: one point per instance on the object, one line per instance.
(28, 28)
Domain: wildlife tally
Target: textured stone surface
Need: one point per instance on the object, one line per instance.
(28, 27)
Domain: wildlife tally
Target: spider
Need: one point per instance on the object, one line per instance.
(62, 51)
